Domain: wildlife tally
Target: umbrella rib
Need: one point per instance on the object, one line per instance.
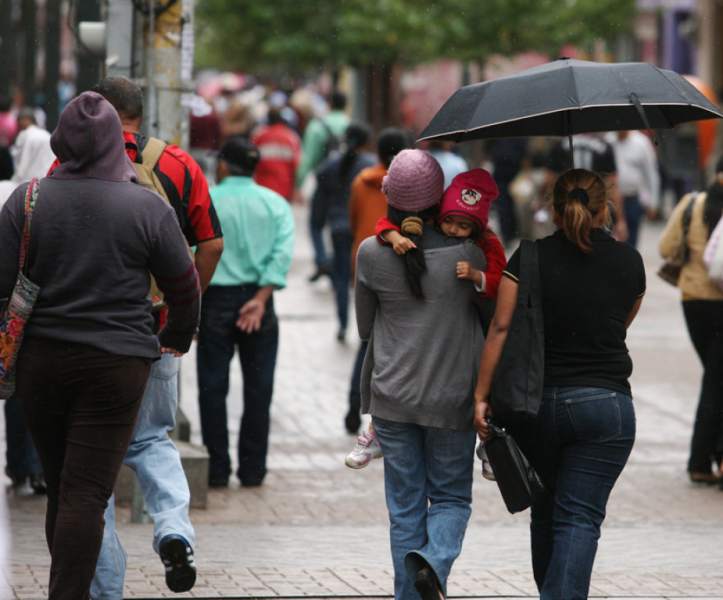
(557, 110)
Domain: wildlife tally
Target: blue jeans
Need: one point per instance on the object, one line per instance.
(428, 488)
(341, 273)
(584, 438)
(218, 338)
(321, 259)
(634, 213)
(154, 458)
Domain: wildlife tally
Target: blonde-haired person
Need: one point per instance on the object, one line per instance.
(592, 287)
(703, 309)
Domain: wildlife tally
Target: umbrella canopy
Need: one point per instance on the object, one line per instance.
(569, 96)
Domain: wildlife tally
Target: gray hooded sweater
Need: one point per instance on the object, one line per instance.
(423, 356)
(95, 239)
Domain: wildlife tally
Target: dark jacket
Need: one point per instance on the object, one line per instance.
(96, 237)
(333, 188)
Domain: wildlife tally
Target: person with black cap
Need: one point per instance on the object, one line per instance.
(238, 311)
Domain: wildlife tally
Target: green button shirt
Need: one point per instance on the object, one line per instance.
(258, 234)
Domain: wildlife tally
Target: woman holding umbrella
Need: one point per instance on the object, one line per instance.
(592, 288)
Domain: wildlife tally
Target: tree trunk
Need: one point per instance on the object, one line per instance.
(381, 84)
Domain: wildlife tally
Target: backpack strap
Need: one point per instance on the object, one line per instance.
(150, 155)
(152, 152)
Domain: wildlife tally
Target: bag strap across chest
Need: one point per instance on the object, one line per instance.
(145, 170)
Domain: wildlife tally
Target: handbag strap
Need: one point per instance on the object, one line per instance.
(529, 290)
(31, 197)
(687, 218)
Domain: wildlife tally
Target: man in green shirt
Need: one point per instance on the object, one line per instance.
(322, 135)
(238, 312)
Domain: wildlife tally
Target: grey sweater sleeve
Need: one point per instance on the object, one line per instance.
(365, 299)
(177, 278)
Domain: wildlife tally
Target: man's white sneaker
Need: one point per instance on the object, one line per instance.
(366, 449)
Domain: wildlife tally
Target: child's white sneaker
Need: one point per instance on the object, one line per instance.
(366, 449)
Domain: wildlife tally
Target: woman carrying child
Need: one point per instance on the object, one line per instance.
(419, 376)
(463, 213)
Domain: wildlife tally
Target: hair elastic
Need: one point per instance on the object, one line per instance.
(579, 194)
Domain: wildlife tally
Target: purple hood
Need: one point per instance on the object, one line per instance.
(88, 141)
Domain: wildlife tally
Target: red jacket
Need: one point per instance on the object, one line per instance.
(488, 243)
(280, 151)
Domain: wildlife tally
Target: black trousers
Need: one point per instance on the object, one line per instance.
(705, 326)
(80, 404)
(218, 338)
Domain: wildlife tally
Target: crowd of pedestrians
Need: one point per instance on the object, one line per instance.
(136, 255)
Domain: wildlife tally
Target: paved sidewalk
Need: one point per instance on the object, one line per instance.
(317, 529)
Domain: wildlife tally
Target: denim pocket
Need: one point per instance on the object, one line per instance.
(595, 417)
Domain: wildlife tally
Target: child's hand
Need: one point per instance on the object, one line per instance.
(466, 271)
(400, 244)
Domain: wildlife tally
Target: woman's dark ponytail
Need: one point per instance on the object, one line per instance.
(411, 225)
(355, 137)
(414, 262)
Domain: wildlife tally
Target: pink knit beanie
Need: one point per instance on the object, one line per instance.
(414, 181)
(470, 195)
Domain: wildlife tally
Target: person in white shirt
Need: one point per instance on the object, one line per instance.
(638, 177)
(31, 153)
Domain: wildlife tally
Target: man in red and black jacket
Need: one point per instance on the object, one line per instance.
(151, 454)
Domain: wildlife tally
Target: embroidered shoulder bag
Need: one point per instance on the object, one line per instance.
(14, 315)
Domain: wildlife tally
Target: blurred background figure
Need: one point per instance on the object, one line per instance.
(321, 137)
(8, 131)
(204, 133)
(638, 178)
(330, 206)
(506, 156)
(703, 309)
(280, 150)
(452, 164)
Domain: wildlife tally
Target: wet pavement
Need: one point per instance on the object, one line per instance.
(318, 529)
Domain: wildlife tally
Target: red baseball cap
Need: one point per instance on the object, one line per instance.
(470, 195)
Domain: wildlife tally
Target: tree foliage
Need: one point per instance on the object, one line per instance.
(301, 34)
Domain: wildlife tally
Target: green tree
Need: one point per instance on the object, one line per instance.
(297, 35)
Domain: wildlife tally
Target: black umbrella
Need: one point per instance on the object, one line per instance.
(569, 96)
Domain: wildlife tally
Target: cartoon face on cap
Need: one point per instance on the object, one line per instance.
(470, 197)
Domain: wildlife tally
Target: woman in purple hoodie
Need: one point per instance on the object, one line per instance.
(96, 238)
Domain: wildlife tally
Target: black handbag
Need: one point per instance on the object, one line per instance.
(519, 377)
(517, 480)
(670, 270)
